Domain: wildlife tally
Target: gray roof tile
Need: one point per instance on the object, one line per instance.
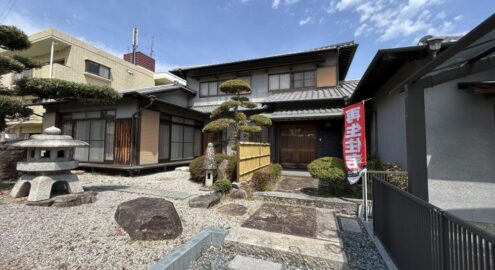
(343, 90)
(325, 112)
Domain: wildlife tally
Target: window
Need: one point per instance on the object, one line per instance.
(279, 81)
(292, 80)
(97, 69)
(180, 139)
(212, 88)
(164, 142)
(96, 128)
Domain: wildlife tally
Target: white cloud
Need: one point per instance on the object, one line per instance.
(277, 3)
(393, 19)
(24, 23)
(305, 21)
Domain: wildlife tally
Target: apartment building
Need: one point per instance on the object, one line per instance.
(68, 58)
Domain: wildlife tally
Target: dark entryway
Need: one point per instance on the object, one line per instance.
(297, 144)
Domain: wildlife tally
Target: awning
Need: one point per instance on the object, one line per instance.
(309, 114)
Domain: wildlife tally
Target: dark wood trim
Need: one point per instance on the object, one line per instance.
(280, 125)
(416, 141)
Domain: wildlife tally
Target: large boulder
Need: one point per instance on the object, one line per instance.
(205, 201)
(149, 219)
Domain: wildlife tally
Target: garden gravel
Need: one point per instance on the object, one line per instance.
(87, 236)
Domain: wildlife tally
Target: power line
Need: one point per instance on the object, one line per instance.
(7, 10)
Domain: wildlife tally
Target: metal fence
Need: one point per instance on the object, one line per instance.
(418, 235)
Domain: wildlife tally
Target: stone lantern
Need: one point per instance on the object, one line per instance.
(209, 164)
(50, 157)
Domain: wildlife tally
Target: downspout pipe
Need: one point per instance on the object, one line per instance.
(151, 99)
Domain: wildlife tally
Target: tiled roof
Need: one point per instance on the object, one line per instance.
(305, 113)
(209, 108)
(158, 89)
(343, 90)
(324, 48)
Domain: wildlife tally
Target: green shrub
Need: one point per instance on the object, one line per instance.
(223, 186)
(276, 171)
(196, 168)
(330, 170)
(262, 179)
(398, 179)
(374, 164)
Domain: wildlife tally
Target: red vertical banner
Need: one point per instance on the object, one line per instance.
(354, 143)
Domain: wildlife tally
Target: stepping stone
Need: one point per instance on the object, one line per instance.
(326, 225)
(350, 225)
(248, 263)
(205, 201)
(233, 209)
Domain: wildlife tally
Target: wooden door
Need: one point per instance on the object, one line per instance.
(123, 135)
(297, 144)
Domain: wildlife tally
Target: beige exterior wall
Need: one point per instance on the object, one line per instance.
(326, 76)
(148, 151)
(124, 75)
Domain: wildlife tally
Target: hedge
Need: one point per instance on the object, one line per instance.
(222, 185)
(330, 170)
(264, 179)
(61, 89)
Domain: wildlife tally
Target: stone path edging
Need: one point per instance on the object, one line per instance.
(181, 258)
(306, 200)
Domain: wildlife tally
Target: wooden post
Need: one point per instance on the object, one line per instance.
(416, 141)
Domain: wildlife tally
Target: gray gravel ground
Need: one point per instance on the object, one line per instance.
(87, 236)
(360, 250)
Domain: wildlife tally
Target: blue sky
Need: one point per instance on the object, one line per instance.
(202, 32)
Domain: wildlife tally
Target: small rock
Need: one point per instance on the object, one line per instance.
(205, 201)
(236, 185)
(74, 199)
(149, 219)
(222, 170)
(48, 202)
(238, 194)
(233, 209)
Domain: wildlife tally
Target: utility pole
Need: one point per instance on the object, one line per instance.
(151, 46)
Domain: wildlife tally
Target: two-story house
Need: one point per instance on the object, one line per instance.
(302, 92)
(68, 58)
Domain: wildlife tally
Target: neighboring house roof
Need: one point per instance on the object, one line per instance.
(385, 64)
(341, 91)
(159, 89)
(286, 114)
(168, 77)
(345, 50)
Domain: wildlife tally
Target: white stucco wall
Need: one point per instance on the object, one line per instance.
(460, 134)
(390, 142)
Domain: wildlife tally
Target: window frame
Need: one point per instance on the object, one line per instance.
(67, 119)
(291, 83)
(169, 119)
(99, 69)
(219, 82)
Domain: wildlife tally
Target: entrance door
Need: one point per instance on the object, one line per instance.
(297, 144)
